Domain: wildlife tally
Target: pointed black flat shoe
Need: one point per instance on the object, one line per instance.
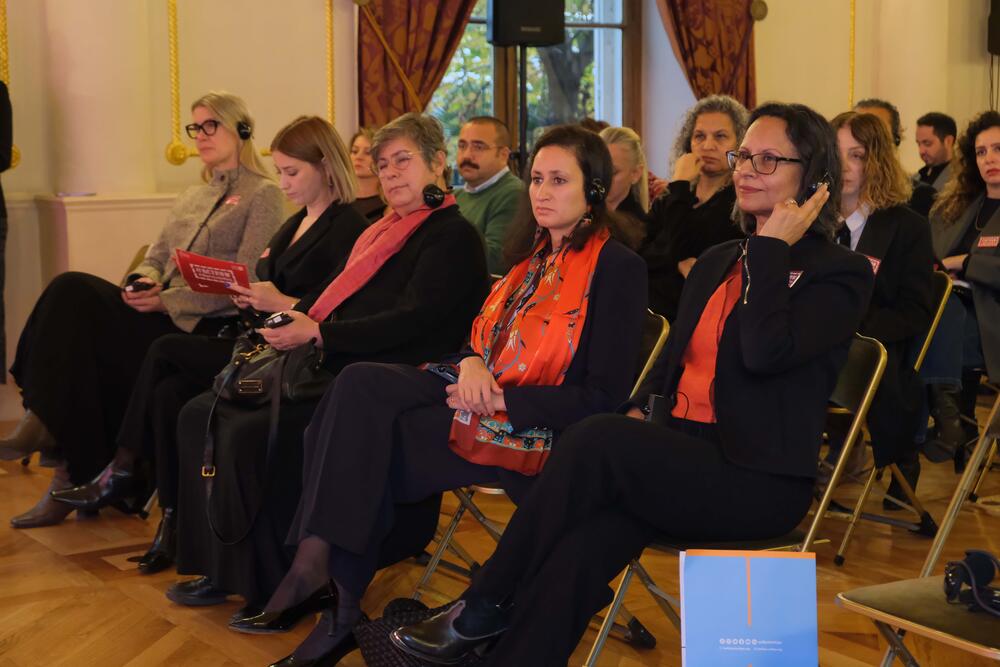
(200, 592)
(283, 620)
(438, 642)
(119, 490)
(161, 553)
(346, 645)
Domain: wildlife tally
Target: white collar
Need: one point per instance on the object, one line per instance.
(488, 182)
(856, 220)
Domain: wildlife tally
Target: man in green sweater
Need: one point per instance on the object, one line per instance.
(492, 194)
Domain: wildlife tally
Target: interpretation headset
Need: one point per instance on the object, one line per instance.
(243, 130)
(595, 192)
(976, 571)
(433, 196)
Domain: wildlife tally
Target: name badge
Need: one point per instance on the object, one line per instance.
(875, 262)
(793, 277)
(988, 241)
(232, 200)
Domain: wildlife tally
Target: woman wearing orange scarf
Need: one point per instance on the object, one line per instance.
(557, 340)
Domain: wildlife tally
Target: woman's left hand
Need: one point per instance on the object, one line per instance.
(262, 296)
(494, 403)
(302, 329)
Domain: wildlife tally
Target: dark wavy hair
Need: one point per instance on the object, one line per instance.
(816, 143)
(896, 128)
(595, 162)
(966, 182)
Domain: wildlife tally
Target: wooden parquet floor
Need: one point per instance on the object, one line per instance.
(69, 596)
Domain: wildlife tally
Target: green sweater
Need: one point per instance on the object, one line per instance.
(490, 211)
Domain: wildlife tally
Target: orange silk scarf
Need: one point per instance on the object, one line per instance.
(527, 332)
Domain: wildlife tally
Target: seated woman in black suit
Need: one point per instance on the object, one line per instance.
(84, 342)
(695, 213)
(897, 241)
(556, 340)
(763, 327)
(369, 202)
(295, 267)
(965, 224)
(410, 289)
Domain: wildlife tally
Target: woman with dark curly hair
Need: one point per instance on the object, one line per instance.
(762, 329)
(965, 224)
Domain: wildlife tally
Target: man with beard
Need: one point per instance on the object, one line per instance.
(492, 194)
(936, 134)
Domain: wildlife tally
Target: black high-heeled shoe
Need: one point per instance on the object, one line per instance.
(346, 645)
(119, 490)
(283, 620)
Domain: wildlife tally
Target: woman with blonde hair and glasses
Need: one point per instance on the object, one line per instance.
(629, 191)
(79, 354)
(897, 241)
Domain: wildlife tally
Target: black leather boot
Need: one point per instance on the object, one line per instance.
(161, 553)
(110, 487)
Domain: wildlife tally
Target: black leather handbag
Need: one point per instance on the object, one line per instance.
(256, 369)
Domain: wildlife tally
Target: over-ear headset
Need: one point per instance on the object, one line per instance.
(433, 196)
(976, 572)
(595, 192)
(243, 130)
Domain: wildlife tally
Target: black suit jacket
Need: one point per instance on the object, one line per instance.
(899, 241)
(304, 268)
(420, 304)
(781, 347)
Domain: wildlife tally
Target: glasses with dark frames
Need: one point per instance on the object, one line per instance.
(763, 163)
(209, 127)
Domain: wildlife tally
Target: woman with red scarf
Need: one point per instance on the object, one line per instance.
(556, 340)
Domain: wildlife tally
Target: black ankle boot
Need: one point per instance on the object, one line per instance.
(949, 434)
(447, 637)
(161, 553)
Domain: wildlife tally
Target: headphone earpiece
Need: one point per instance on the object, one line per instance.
(433, 196)
(595, 192)
(243, 130)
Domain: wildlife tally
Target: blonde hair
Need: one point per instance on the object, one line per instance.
(314, 140)
(365, 131)
(886, 183)
(231, 110)
(627, 137)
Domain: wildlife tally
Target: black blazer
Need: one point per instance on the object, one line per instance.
(781, 348)
(420, 304)
(899, 241)
(304, 268)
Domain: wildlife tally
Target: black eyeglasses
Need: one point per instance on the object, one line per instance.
(762, 163)
(208, 127)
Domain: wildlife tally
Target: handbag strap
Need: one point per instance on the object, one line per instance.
(208, 456)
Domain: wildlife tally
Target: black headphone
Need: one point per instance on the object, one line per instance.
(595, 192)
(976, 572)
(433, 195)
(243, 130)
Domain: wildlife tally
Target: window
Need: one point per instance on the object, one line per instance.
(584, 76)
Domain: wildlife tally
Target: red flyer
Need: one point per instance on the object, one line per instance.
(207, 274)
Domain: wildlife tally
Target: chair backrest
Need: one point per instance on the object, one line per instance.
(941, 290)
(654, 335)
(860, 376)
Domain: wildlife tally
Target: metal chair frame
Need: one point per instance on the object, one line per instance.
(849, 393)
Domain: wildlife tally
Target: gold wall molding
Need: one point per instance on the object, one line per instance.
(177, 152)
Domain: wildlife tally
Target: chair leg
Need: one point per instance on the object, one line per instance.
(855, 515)
(988, 463)
(850, 442)
(442, 547)
(609, 620)
(927, 525)
(668, 603)
(488, 524)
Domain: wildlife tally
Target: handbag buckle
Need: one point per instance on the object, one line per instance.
(250, 386)
(208, 471)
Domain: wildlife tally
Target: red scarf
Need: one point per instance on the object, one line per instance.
(527, 332)
(374, 247)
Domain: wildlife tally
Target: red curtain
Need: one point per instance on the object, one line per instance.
(713, 41)
(422, 36)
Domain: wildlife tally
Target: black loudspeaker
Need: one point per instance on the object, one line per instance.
(993, 28)
(525, 22)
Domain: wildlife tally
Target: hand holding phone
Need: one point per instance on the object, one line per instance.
(138, 285)
(277, 320)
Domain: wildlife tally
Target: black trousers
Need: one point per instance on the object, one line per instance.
(378, 439)
(3, 273)
(611, 485)
(77, 361)
(176, 368)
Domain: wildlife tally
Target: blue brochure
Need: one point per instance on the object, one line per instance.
(748, 609)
